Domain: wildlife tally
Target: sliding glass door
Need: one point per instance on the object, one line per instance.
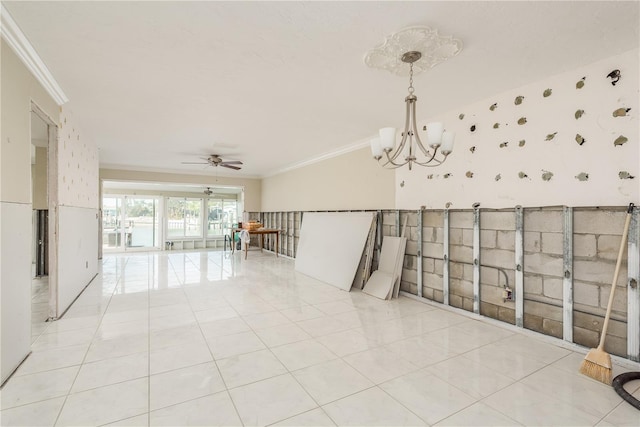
(130, 222)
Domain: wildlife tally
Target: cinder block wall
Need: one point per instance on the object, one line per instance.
(596, 239)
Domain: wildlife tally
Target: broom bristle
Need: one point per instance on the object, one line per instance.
(597, 365)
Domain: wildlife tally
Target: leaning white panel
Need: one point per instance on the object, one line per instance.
(331, 245)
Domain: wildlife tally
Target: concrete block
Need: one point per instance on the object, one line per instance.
(410, 276)
(411, 248)
(488, 239)
(438, 266)
(616, 345)
(438, 296)
(491, 220)
(490, 276)
(460, 253)
(411, 233)
(427, 293)
(546, 311)
(543, 220)
(553, 287)
(489, 310)
(552, 327)
(456, 270)
(455, 300)
(533, 323)
(461, 219)
(468, 272)
(433, 250)
(585, 337)
(432, 280)
(507, 315)
(619, 298)
(506, 240)
(552, 243)
(455, 236)
(467, 304)
(410, 262)
(461, 287)
(532, 284)
(433, 218)
(593, 322)
(410, 218)
(608, 247)
(428, 265)
(598, 221)
(407, 287)
(491, 294)
(584, 245)
(596, 271)
(389, 218)
(540, 263)
(532, 241)
(467, 237)
(586, 294)
(498, 258)
(433, 234)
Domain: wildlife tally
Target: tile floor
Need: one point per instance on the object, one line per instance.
(205, 338)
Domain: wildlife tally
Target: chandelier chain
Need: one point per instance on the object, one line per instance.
(411, 89)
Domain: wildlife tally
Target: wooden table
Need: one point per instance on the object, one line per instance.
(261, 232)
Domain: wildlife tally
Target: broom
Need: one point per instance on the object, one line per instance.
(597, 363)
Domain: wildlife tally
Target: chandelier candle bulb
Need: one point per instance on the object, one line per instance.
(376, 148)
(434, 134)
(387, 138)
(447, 142)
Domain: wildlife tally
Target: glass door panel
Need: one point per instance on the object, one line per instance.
(141, 222)
(111, 223)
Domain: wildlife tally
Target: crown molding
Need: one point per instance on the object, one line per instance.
(335, 153)
(19, 43)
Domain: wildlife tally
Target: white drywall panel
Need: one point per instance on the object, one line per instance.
(15, 284)
(331, 245)
(78, 252)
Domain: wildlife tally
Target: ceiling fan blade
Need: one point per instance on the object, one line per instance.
(230, 167)
(195, 163)
(232, 162)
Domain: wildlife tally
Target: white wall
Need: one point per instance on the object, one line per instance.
(19, 89)
(350, 181)
(78, 202)
(562, 156)
(78, 253)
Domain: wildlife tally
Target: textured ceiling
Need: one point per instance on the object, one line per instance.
(278, 83)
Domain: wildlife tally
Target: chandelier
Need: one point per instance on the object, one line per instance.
(408, 45)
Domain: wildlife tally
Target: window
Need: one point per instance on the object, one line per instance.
(222, 215)
(183, 217)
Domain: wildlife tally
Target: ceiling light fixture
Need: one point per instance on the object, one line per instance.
(411, 150)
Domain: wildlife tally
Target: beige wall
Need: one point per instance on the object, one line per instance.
(348, 182)
(19, 88)
(252, 187)
(39, 179)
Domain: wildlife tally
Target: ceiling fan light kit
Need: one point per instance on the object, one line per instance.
(422, 48)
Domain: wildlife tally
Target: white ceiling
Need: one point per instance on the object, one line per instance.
(278, 83)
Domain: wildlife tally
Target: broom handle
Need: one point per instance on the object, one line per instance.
(625, 232)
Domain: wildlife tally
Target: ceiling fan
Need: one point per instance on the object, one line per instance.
(216, 160)
(208, 191)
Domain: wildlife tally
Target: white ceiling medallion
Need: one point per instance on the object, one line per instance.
(434, 48)
(24, 50)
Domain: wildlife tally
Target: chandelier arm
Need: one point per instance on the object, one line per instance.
(432, 162)
(415, 131)
(390, 160)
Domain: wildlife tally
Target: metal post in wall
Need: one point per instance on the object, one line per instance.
(445, 259)
(567, 276)
(419, 264)
(519, 251)
(633, 293)
(379, 233)
(397, 223)
(476, 259)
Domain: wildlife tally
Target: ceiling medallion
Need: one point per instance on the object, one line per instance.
(434, 48)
